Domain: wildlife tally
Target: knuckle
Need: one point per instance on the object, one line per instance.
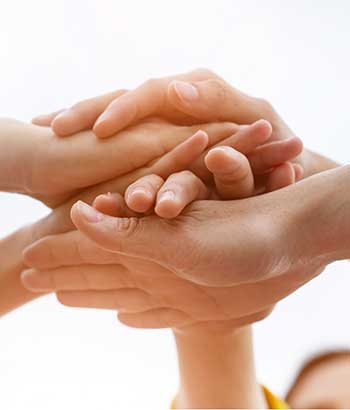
(155, 180)
(80, 107)
(186, 174)
(127, 226)
(152, 83)
(220, 88)
(265, 104)
(204, 72)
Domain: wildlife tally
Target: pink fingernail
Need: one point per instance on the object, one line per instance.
(102, 118)
(88, 213)
(166, 196)
(186, 91)
(226, 150)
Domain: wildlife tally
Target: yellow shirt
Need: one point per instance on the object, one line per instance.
(272, 401)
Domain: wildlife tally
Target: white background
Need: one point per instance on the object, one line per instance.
(53, 53)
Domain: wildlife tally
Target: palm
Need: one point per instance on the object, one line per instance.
(203, 307)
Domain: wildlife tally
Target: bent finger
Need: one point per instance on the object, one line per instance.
(232, 172)
(178, 191)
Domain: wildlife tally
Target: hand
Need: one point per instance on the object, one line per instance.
(54, 169)
(276, 251)
(146, 301)
(189, 98)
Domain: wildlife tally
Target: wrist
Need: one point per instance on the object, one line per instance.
(16, 150)
(217, 370)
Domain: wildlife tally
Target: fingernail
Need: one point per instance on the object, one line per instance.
(186, 91)
(226, 150)
(137, 191)
(34, 281)
(166, 196)
(88, 213)
(102, 118)
(66, 114)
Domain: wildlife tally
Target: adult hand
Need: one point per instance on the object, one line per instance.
(34, 161)
(165, 294)
(253, 243)
(189, 98)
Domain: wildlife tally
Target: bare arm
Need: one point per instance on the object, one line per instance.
(12, 292)
(217, 370)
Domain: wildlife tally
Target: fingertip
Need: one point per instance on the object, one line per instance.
(36, 282)
(66, 123)
(263, 128)
(167, 207)
(83, 214)
(185, 92)
(119, 114)
(202, 138)
(299, 145)
(281, 177)
(222, 159)
(299, 172)
(139, 200)
(102, 128)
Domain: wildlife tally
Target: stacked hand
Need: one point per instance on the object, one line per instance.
(246, 240)
(148, 293)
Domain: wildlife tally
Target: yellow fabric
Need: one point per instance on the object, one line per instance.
(272, 401)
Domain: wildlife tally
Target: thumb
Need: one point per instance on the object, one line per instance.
(216, 100)
(142, 237)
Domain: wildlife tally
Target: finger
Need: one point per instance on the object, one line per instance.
(138, 237)
(156, 319)
(232, 173)
(45, 120)
(178, 191)
(113, 205)
(149, 99)
(68, 249)
(183, 155)
(245, 140)
(281, 177)
(219, 325)
(275, 153)
(83, 277)
(141, 195)
(215, 100)
(176, 319)
(299, 172)
(82, 115)
(124, 300)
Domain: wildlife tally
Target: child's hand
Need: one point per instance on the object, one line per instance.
(232, 175)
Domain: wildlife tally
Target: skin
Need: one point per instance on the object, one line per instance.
(324, 386)
(143, 301)
(190, 98)
(59, 221)
(227, 354)
(51, 224)
(35, 162)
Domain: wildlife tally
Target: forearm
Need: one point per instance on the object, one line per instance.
(14, 142)
(12, 292)
(217, 370)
